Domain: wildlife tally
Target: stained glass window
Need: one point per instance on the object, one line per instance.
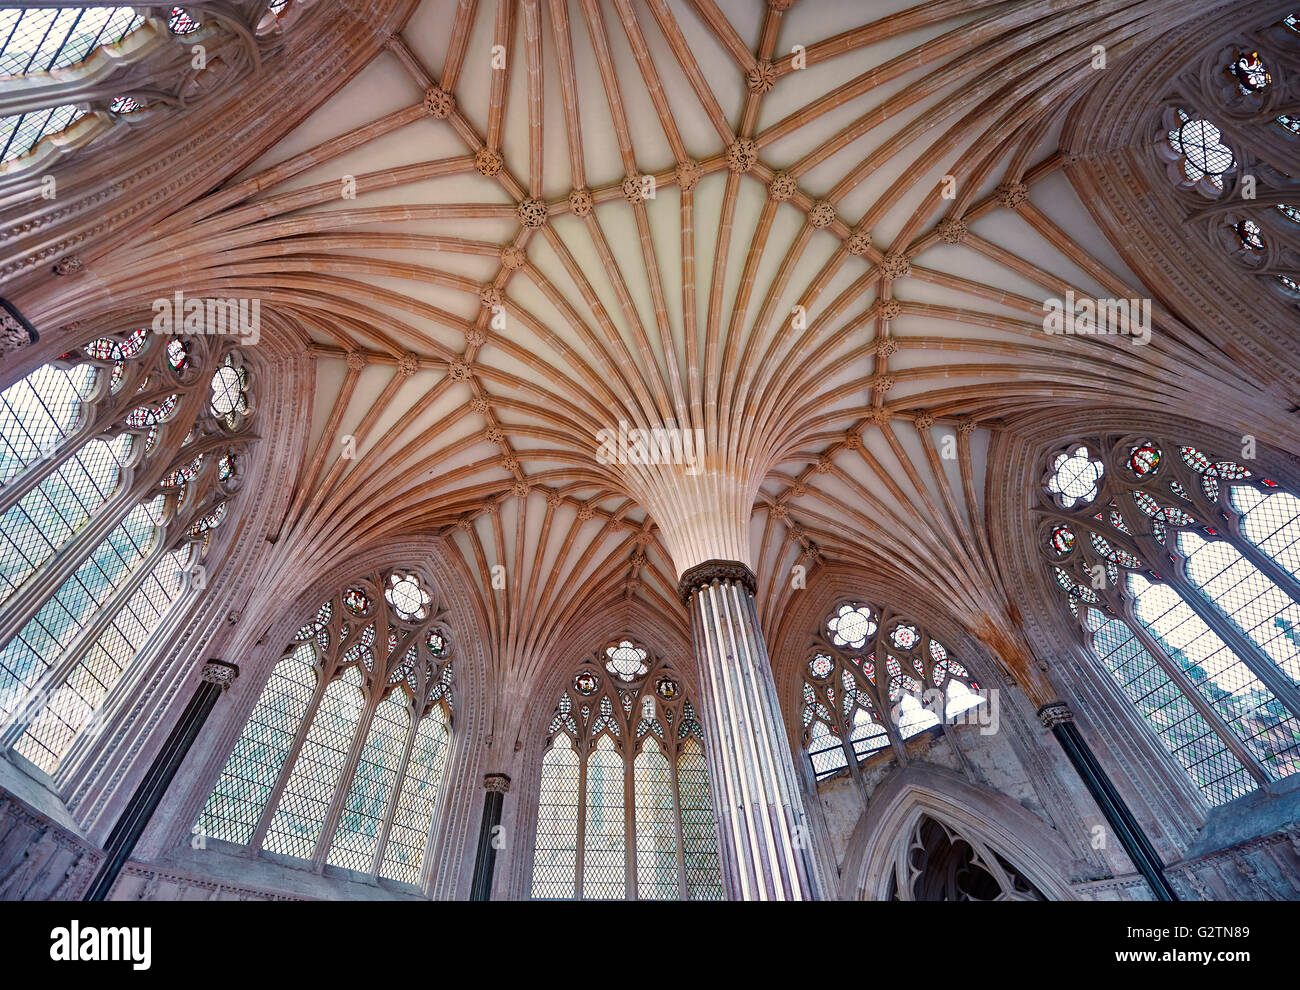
(624, 808)
(117, 558)
(1250, 72)
(844, 689)
(1192, 607)
(332, 704)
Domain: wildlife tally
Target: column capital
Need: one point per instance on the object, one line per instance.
(496, 782)
(1054, 713)
(220, 673)
(15, 329)
(715, 570)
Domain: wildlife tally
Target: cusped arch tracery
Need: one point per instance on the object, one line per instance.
(342, 757)
(118, 472)
(624, 809)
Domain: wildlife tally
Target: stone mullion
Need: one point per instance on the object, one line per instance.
(1208, 513)
(1260, 663)
(32, 474)
(880, 691)
(47, 578)
(391, 811)
(839, 716)
(683, 892)
(1184, 683)
(1266, 565)
(629, 822)
(360, 735)
(141, 483)
(1255, 659)
(71, 655)
(286, 771)
(846, 727)
(100, 414)
(580, 853)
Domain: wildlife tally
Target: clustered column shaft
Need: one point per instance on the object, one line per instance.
(756, 797)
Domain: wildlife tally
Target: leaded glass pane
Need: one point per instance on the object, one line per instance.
(1271, 522)
(605, 840)
(1191, 741)
(656, 825)
(297, 824)
(404, 852)
(699, 833)
(41, 642)
(366, 806)
(244, 787)
(1251, 601)
(38, 39)
(1248, 707)
(555, 858)
(73, 705)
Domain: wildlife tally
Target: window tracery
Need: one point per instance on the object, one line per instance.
(624, 808)
(1181, 571)
(942, 864)
(103, 528)
(1229, 137)
(79, 74)
(846, 687)
(341, 758)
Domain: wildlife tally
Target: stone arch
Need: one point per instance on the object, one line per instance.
(994, 820)
(450, 858)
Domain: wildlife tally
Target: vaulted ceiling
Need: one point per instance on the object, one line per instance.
(820, 232)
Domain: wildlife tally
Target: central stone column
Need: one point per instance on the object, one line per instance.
(762, 826)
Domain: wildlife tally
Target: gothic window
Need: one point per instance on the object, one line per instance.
(624, 808)
(866, 661)
(341, 758)
(114, 474)
(39, 39)
(940, 864)
(1182, 573)
(1230, 137)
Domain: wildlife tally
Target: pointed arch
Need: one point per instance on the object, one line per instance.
(990, 819)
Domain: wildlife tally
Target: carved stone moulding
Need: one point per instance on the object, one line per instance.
(859, 242)
(497, 782)
(688, 175)
(581, 203)
(762, 77)
(895, 265)
(488, 161)
(1055, 713)
(532, 212)
(439, 102)
(782, 187)
(15, 330)
(822, 215)
(1012, 195)
(742, 155)
(715, 572)
(952, 230)
(220, 673)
